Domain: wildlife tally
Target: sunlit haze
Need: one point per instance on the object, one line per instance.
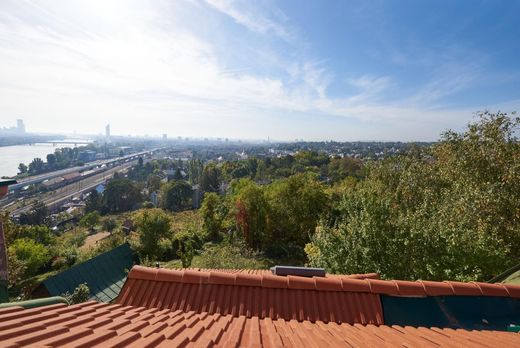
(316, 70)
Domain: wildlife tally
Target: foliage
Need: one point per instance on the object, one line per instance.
(37, 215)
(22, 168)
(17, 268)
(449, 213)
(109, 224)
(51, 160)
(90, 220)
(33, 254)
(211, 178)
(211, 211)
(81, 294)
(39, 233)
(251, 210)
(36, 166)
(152, 226)
(296, 205)
(195, 168)
(121, 195)
(93, 202)
(176, 195)
(229, 255)
(153, 183)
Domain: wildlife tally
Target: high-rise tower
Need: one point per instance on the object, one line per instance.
(20, 126)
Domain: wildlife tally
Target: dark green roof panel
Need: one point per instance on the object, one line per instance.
(104, 274)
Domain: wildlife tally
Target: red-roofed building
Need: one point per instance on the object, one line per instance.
(237, 308)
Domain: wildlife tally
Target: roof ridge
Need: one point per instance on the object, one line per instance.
(337, 283)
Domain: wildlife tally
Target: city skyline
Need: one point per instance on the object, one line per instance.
(286, 70)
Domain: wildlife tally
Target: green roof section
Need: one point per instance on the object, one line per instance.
(104, 274)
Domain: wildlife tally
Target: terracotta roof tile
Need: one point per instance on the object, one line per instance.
(335, 298)
(175, 328)
(159, 307)
(261, 295)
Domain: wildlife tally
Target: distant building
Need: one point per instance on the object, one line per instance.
(20, 126)
(107, 131)
(125, 149)
(165, 136)
(71, 177)
(87, 155)
(52, 183)
(19, 129)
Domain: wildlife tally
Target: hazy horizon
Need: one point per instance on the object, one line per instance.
(388, 71)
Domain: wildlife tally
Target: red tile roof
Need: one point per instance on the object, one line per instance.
(340, 299)
(94, 324)
(261, 295)
(340, 283)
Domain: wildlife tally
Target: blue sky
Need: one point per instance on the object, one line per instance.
(317, 70)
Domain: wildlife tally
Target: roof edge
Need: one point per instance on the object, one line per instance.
(337, 283)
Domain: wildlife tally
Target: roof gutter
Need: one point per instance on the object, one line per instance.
(40, 302)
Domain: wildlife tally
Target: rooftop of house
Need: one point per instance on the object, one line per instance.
(160, 307)
(104, 274)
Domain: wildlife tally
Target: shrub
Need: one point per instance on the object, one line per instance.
(80, 294)
(152, 226)
(33, 254)
(231, 255)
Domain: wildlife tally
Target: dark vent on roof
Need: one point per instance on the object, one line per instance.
(298, 271)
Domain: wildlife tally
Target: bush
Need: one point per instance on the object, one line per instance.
(90, 220)
(33, 254)
(80, 294)
(230, 255)
(446, 213)
(109, 224)
(152, 226)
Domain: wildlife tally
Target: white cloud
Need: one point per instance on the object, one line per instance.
(248, 14)
(82, 65)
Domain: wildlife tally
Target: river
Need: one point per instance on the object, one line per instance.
(12, 156)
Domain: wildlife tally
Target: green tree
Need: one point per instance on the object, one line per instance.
(22, 168)
(449, 212)
(153, 183)
(109, 224)
(211, 216)
(93, 202)
(36, 166)
(39, 233)
(177, 175)
(33, 254)
(90, 220)
(210, 180)
(51, 160)
(195, 168)
(296, 203)
(121, 195)
(37, 215)
(176, 195)
(251, 210)
(153, 227)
